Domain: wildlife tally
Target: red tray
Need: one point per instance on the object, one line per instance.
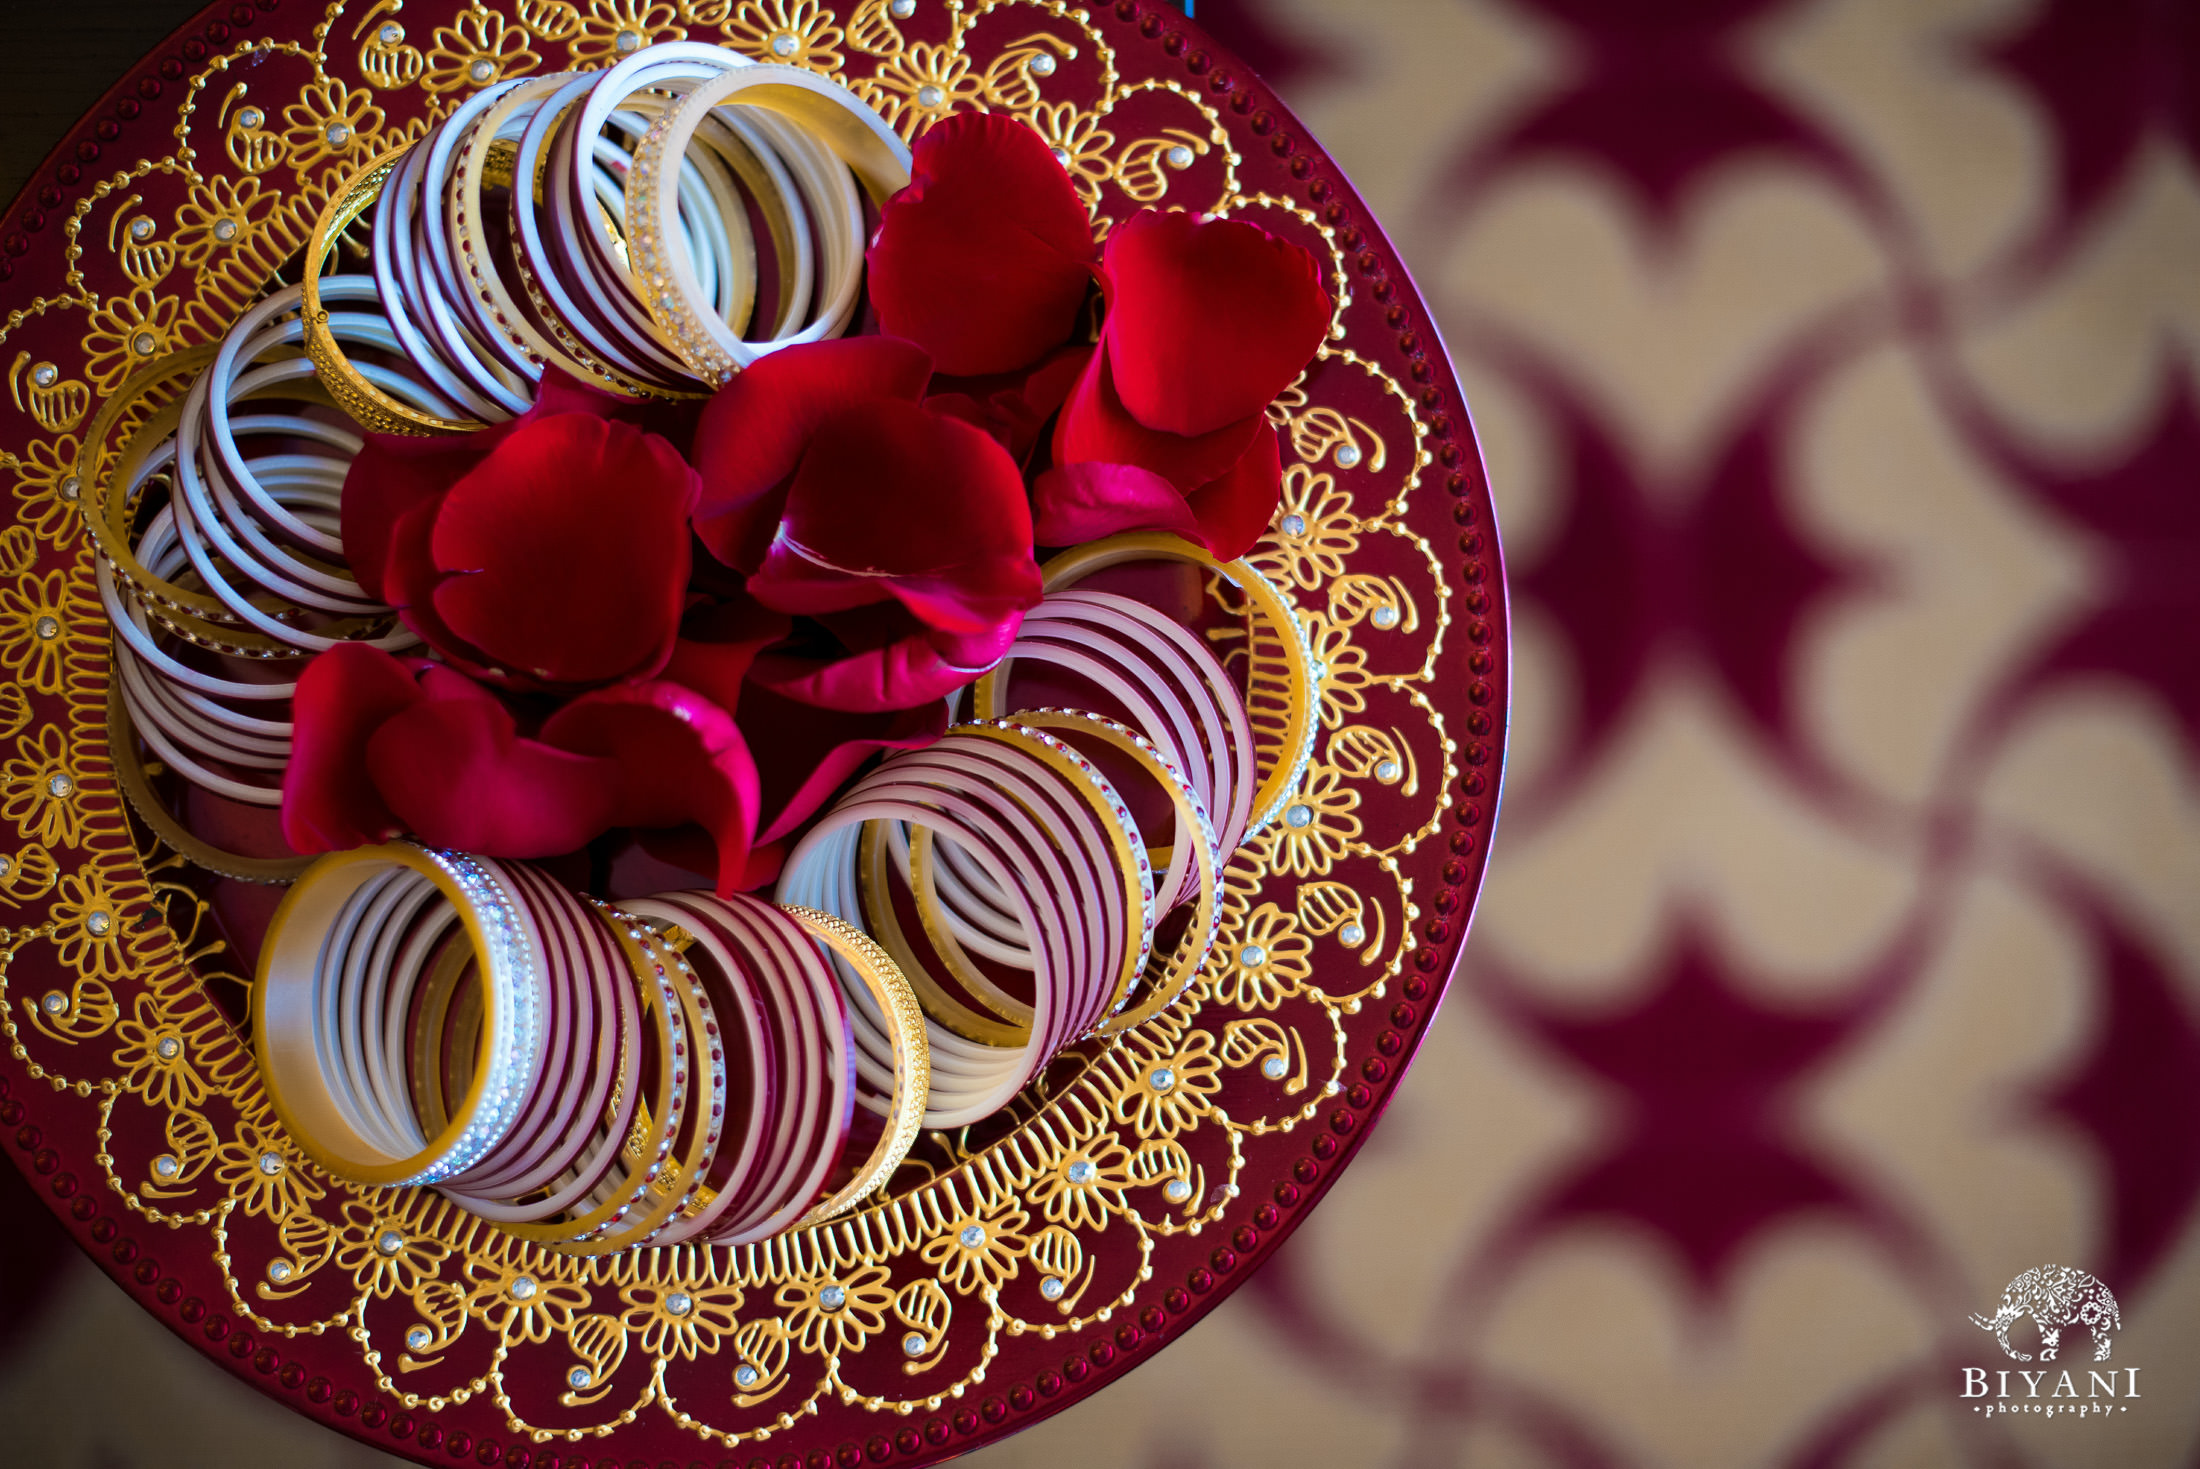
(1340, 937)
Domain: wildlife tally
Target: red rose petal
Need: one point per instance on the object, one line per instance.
(679, 758)
(569, 549)
(457, 774)
(1208, 319)
(1096, 427)
(344, 696)
(985, 258)
(901, 675)
(755, 428)
(804, 753)
(1234, 509)
(1074, 503)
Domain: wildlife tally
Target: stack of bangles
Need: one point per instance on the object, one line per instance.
(584, 1077)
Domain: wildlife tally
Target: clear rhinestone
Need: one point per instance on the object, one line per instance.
(1351, 935)
(832, 1298)
(391, 33)
(627, 41)
(914, 1344)
(1162, 1079)
(1387, 771)
(45, 374)
(271, 1164)
(1177, 1190)
(973, 1235)
(903, 9)
(225, 230)
(481, 70)
(278, 1271)
(71, 488)
(250, 117)
(166, 1166)
(1384, 616)
(746, 1376)
(1299, 815)
(1180, 157)
(1041, 65)
(7, 865)
(785, 45)
(141, 228)
(1274, 1067)
(1347, 455)
(522, 1288)
(1081, 1171)
(98, 924)
(1052, 1287)
(145, 344)
(578, 1378)
(1252, 956)
(338, 134)
(1294, 525)
(418, 1338)
(929, 96)
(59, 786)
(679, 1303)
(54, 1002)
(47, 628)
(1061, 156)
(168, 1048)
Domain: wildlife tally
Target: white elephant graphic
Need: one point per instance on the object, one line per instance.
(2055, 1296)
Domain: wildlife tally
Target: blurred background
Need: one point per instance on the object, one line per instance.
(1835, 364)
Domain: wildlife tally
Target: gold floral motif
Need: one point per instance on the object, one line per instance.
(1340, 670)
(331, 121)
(550, 20)
(837, 1313)
(154, 1060)
(519, 1302)
(128, 332)
(1080, 145)
(921, 85)
(39, 790)
(979, 1250)
(262, 1176)
(615, 29)
(383, 1255)
(1167, 1093)
(680, 1320)
(1316, 826)
(478, 49)
(35, 618)
(1313, 534)
(27, 874)
(48, 490)
(222, 215)
(1083, 1182)
(88, 925)
(1260, 960)
(791, 32)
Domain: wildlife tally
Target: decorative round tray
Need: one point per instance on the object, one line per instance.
(129, 1094)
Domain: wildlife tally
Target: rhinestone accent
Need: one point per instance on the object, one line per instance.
(481, 70)
(1351, 935)
(1052, 1287)
(1301, 815)
(54, 1003)
(168, 1048)
(225, 230)
(913, 1344)
(1041, 65)
(578, 1378)
(418, 1338)
(972, 1236)
(1274, 1067)
(141, 228)
(99, 924)
(929, 97)
(902, 9)
(785, 45)
(832, 1297)
(1387, 771)
(71, 488)
(1252, 956)
(1347, 455)
(679, 1303)
(390, 34)
(250, 117)
(1294, 525)
(45, 374)
(1384, 616)
(59, 786)
(1162, 1079)
(165, 1166)
(522, 1288)
(1061, 156)
(627, 41)
(1081, 1171)
(271, 1164)
(278, 1271)
(338, 134)
(746, 1376)
(1179, 156)
(388, 1242)
(1177, 1190)
(145, 344)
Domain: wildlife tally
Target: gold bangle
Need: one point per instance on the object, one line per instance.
(904, 1022)
(1279, 700)
(875, 886)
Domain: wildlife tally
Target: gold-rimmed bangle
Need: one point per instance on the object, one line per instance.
(374, 409)
(904, 1021)
(1292, 685)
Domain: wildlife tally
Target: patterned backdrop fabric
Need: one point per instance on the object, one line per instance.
(1838, 367)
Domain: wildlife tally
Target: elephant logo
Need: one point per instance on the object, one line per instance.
(2055, 1296)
